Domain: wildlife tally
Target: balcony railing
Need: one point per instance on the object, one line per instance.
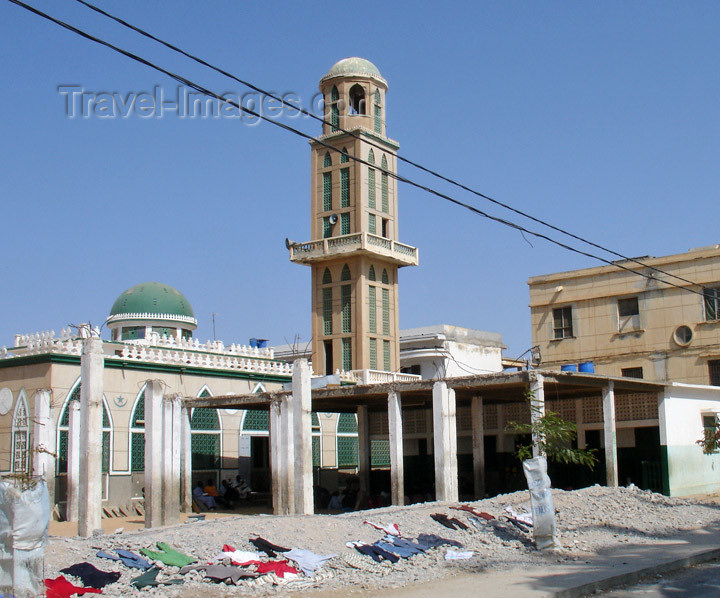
(399, 253)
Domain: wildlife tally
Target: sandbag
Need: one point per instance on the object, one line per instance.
(541, 502)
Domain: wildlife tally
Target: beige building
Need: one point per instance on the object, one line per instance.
(630, 325)
(353, 250)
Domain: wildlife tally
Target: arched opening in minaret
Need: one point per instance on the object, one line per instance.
(357, 99)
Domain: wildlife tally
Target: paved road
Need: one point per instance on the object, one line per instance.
(701, 581)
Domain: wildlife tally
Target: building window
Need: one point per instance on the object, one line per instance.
(714, 371)
(344, 156)
(316, 439)
(413, 369)
(386, 355)
(386, 311)
(327, 227)
(327, 160)
(347, 440)
(712, 304)
(137, 434)
(562, 322)
(345, 223)
(327, 311)
(628, 314)
(371, 188)
(20, 435)
(372, 224)
(384, 186)
(372, 310)
(327, 277)
(345, 273)
(347, 354)
(632, 372)
(373, 353)
(205, 438)
(357, 99)
(371, 273)
(327, 191)
(385, 278)
(334, 109)
(378, 113)
(345, 294)
(345, 188)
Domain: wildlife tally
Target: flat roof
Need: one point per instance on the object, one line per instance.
(503, 387)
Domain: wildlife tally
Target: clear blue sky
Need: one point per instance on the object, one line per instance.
(599, 117)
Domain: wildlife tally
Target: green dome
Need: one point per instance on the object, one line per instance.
(152, 298)
(348, 67)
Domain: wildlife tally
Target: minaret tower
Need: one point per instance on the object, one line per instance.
(353, 252)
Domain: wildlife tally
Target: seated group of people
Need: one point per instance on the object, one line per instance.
(229, 495)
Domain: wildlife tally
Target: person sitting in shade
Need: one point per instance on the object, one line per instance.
(200, 496)
(211, 490)
(241, 487)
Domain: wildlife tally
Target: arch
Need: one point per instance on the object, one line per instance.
(256, 420)
(344, 156)
(205, 392)
(384, 185)
(334, 109)
(20, 435)
(357, 99)
(377, 120)
(63, 426)
(326, 278)
(385, 277)
(345, 274)
(327, 160)
(347, 440)
(137, 432)
(371, 157)
(205, 437)
(371, 273)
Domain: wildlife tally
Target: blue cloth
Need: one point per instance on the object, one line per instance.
(398, 550)
(431, 541)
(404, 543)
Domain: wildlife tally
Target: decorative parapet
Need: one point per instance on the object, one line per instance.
(380, 377)
(150, 316)
(190, 344)
(362, 243)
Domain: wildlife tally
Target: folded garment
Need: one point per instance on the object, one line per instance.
(394, 549)
(452, 555)
(168, 555)
(267, 547)
(91, 576)
(62, 588)
(391, 529)
(432, 541)
(449, 522)
(308, 561)
(149, 578)
(238, 557)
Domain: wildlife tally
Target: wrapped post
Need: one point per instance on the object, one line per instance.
(541, 502)
(24, 519)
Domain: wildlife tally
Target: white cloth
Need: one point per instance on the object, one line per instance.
(391, 529)
(525, 518)
(240, 556)
(455, 555)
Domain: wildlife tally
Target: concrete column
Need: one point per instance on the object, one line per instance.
(445, 443)
(153, 453)
(397, 471)
(276, 447)
(302, 432)
(537, 407)
(73, 462)
(185, 461)
(478, 442)
(43, 460)
(363, 453)
(91, 411)
(287, 455)
(171, 462)
(609, 435)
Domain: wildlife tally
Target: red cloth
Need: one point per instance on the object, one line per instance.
(62, 588)
(279, 567)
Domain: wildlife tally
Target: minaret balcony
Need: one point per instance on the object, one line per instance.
(355, 244)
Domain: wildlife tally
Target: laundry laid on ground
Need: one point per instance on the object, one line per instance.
(149, 578)
(523, 518)
(454, 555)
(472, 511)
(130, 559)
(91, 576)
(167, 555)
(221, 572)
(62, 588)
(428, 541)
(449, 522)
(391, 529)
(267, 547)
(238, 557)
(309, 562)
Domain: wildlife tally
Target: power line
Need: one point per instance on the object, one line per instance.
(205, 91)
(373, 144)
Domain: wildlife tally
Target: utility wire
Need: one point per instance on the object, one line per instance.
(205, 91)
(373, 144)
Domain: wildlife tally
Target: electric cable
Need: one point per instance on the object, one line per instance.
(209, 93)
(373, 144)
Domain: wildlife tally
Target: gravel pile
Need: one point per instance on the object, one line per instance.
(588, 520)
